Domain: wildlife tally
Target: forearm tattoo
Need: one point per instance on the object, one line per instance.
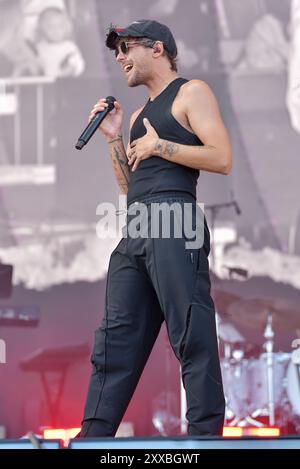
(120, 163)
(123, 164)
(119, 137)
(165, 148)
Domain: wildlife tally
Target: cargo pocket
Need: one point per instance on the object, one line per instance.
(199, 343)
(98, 357)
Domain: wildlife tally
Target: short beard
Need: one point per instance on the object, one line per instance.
(137, 80)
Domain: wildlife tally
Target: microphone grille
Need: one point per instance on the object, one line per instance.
(110, 101)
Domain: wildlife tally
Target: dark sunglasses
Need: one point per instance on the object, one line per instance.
(124, 46)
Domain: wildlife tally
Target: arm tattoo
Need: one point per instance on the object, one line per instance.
(122, 163)
(158, 147)
(119, 137)
(166, 148)
(171, 148)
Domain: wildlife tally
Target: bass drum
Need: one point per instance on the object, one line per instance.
(235, 375)
(293, 386)
(259, 379)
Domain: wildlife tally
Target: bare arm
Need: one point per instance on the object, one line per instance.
(111, 129)
(205, 120)
(119, 159)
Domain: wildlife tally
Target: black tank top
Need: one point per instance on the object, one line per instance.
(156, 174)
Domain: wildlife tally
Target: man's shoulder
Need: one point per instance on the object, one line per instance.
(196, 86)
(197, 92)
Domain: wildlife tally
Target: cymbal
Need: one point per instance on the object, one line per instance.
(253, 313)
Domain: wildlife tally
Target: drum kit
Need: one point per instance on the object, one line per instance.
(261, 386)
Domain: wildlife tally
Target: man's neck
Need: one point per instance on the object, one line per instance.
(159, 83)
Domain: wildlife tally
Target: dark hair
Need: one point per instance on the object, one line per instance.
(172, 60)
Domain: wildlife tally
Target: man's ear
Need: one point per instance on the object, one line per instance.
(158, 47)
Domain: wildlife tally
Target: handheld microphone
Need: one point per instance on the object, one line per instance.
(94, 124)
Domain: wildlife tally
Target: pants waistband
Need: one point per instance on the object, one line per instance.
(171, 196)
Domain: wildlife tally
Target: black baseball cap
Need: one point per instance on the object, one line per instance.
(150, 29)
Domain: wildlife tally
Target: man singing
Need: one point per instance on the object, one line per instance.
(151, 279)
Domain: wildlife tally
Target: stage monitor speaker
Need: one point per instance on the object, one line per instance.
(183, 443)
(27, 444)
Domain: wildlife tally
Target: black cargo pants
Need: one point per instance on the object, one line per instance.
(150, 280)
